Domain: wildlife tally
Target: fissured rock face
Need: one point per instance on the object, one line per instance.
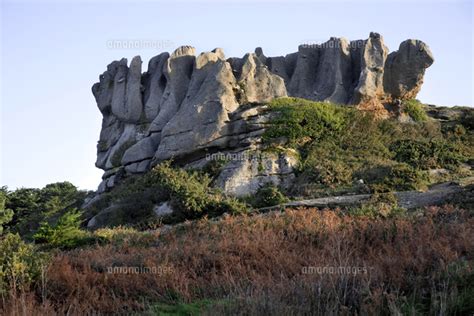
(186, 106)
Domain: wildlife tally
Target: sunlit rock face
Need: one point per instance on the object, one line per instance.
(185, 107)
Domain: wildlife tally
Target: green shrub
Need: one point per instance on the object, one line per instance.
(214, 167)
(189, 191)
(191, 194)
(329, 171)
(33, 206)
(427, 154)
(379, 205)
(402, 177)
(300, 120)
(415, 110)
(335, 160)
(268, 195)
(20, 264)
(66, 233)
(116, 158)
(468, 119)
(6, 215)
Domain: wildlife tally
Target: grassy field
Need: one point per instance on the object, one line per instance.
(298, 262)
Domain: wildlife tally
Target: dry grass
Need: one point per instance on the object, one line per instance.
(257, 264)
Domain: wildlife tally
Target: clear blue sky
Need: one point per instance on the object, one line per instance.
(52, 53)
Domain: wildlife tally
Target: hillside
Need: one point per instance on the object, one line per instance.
(361, 256)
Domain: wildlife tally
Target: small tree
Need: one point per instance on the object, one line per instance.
(6, 215)
(65, 233)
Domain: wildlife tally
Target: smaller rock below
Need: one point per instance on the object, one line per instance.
(163, 209)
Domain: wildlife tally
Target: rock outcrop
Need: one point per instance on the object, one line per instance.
(187, 107)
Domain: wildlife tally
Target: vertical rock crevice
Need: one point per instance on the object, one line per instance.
(186, 105)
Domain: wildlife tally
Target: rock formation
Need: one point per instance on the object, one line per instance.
(187, 107)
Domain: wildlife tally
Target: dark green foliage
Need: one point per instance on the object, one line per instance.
(462, 275)
(118, 154)
(6, 215)
(379, 205)
(327, 164)
(300, 120)
(191, 194)
(341, 146)
(415, 110)
(24, 202)
(65, 233)
(188, 191)
(427, 154)
(402, 177)
(468, 120)
(133, 200)
(32, 206)
(268, 195)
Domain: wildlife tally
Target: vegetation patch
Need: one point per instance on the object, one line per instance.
(190, 193)
(425, 155)
(270, 269)
(21, 265)
(344, 150)
(301, 120)
(65, 233)
(415, 110)
(268, 195)
(116, 158)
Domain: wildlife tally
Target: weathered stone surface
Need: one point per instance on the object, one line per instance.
(155, 87)
(184, 106)
(438, 195)
(333, 76)
(178, 71)
(253, 169)
(369, 90)
(163, 209)
(204, 111)
(404, 69)
(143, 149)
(138, 167)
(259, 85)
(303, 80)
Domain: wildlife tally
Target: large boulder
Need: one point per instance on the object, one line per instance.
(405, 68)
(204, 110)
(185, 107)
(368, 93)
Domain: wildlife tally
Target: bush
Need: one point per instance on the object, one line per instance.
(66, 233)
(330, 170)
(20, 264)
(191, 194)
(402, 177)
(188, 190)
(427, 154)
(33, 206)
(415, 110)
(379, 205)
(335, 160)
(300, 120)
(6, 215)
(268, 195)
